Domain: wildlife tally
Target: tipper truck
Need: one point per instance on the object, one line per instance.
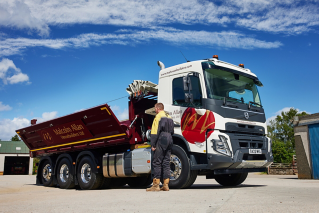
(219, 131)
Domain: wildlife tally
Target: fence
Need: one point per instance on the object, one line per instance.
(283, 169)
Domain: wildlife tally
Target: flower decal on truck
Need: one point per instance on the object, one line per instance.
(194, 126)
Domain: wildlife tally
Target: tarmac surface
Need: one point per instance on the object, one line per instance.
(259, 193)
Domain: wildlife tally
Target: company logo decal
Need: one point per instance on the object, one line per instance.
(47, 137)
(246, 114)
(72, 131)
(194, 126)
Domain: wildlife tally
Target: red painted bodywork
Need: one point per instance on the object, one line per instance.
(93, 128)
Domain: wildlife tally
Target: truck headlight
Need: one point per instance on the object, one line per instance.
(221, 146)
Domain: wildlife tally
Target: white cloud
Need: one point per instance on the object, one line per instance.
(46, 116)
(4, 107)
(20, 77)
(279, 16)
(120, 114)
(10, 73)
(226, 39)
(17, 14)
(285, 109)
(8, 126)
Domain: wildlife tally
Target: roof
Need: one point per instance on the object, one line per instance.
(308, 119)
(196, 65)
(13, 147)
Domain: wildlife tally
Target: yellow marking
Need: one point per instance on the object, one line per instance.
(66, 144)
(104, 108)
(19, 134)
(143, 146)
(204, 150)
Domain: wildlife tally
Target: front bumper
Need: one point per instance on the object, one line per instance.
(239, 161)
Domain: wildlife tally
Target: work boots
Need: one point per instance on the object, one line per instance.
(155, 187)
(165, 185)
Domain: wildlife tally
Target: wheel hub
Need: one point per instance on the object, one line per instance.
(64, 173)
(176, 167)
(46, 173)
(86, 173)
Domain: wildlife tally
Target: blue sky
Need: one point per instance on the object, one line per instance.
(58, 57)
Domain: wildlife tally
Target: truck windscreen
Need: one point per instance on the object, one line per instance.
(234, 87)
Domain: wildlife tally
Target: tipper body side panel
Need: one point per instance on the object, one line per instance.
(87, 129)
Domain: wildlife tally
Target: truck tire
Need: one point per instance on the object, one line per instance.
(86, 177)
(46, 174)
(231, 179)
(139, 182)
(180, 168)
(64, 176)
(191, 179)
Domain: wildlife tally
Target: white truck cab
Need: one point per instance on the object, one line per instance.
(218, 114)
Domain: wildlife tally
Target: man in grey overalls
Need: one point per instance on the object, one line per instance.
(161, 142)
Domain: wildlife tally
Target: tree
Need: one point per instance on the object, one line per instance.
(281, 132)
(15, 138)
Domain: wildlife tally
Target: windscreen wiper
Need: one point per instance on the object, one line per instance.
(251, 102)
(234, 99)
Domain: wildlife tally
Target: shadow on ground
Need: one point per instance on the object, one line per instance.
(216, 186)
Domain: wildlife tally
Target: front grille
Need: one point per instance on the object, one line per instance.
(245, 141)
(244, 129)
(251, 143)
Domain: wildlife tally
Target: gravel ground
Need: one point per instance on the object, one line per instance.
(259, 193)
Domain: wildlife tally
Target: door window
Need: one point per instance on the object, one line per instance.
(179, 94)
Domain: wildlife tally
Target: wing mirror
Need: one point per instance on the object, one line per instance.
(187, 83)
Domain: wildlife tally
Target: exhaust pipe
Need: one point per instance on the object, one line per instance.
(161, 65)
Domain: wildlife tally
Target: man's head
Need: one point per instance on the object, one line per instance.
(159, 107)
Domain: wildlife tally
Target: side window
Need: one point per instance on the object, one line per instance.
(179, 94)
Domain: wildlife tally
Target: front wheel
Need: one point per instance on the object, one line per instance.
(231, 179)
(180, 168)
(86, 177)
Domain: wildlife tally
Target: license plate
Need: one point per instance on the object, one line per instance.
(255, 151)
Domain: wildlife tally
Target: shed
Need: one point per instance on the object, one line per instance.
(307, 145)
(15, 158)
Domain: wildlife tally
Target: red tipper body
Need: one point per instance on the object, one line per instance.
(87, 129)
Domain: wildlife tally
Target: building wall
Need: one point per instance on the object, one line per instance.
(302, 143)
(2, 158)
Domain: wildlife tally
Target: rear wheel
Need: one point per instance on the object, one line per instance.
(46, 174)
(231, 179)
(180, 168)
(64, 176)
(86, 177)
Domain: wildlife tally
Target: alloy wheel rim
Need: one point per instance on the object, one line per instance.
(46, 173)
(64, 173)
(176, 167)
(86, 173)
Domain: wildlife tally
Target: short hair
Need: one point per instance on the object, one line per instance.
(159, 106)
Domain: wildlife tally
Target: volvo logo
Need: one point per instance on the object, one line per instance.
(246, 114)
